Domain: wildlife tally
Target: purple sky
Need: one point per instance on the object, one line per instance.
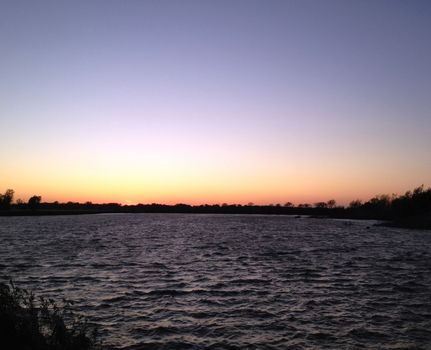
(236, 101)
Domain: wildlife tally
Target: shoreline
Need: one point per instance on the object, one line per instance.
(416, 222)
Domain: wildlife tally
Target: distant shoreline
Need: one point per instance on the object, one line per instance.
(417, 222)
(411, 210)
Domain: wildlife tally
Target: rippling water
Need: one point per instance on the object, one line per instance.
(227, 282)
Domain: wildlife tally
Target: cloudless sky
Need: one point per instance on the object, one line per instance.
(214, 101)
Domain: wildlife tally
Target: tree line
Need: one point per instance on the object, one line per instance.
(382, 207)
(413, 203)
(6, 201)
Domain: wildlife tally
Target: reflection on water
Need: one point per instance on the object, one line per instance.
(215, 281)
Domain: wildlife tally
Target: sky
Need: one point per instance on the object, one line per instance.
(214, 101)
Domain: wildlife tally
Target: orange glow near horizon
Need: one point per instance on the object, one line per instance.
(239, 181)
(198, 171)
(193, 197)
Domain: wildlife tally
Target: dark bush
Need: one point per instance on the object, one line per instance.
(31, 323)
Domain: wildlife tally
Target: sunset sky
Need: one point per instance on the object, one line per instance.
(214, 101)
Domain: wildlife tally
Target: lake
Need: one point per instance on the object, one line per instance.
(170, 281)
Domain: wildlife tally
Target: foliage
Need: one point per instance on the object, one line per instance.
(411, 204)
(31, 323)
(6, 199)
(34, 202)
(331, 203)
(415, 205)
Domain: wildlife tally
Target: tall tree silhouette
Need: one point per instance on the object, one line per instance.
(6, 199)
(33, 202)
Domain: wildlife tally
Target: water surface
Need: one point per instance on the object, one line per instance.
(229, 281)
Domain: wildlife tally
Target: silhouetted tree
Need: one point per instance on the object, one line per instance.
(355, 204)
(20, 203)
(34, 202)
(320, 205)
(412, 203)
(6, 199)
(331, 203)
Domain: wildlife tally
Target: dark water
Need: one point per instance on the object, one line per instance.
(227, 282)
